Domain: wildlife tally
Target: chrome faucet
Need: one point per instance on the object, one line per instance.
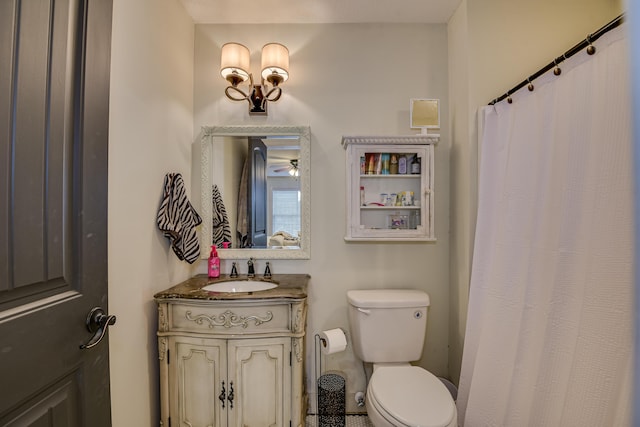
(251, 272)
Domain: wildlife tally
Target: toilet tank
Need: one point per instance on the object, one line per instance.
(388, 325)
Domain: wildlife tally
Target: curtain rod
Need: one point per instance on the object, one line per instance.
(568, 54)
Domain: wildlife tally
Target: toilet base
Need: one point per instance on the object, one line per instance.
(376, 419)
(379, 420)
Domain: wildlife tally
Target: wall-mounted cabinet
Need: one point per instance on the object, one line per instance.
(390, 188)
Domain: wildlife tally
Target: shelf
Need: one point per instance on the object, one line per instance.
(390, 239)
(394, 176)
(389, 208)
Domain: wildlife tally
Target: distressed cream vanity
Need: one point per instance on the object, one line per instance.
(232, 358)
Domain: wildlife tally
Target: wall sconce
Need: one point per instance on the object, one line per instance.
(234, 67)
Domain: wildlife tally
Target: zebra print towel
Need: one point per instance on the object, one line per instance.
(177, 219)
(220, 221)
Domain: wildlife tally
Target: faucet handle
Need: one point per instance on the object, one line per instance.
(251, 271)
(234, 270)
(267, 271)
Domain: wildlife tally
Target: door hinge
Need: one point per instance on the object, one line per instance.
(168, 356)
(290, 362)
(169, 420)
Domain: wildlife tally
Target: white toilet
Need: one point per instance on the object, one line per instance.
(388, 329)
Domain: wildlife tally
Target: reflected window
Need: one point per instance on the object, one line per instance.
(285, 213)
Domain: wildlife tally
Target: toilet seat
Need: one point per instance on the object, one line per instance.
(411, 396)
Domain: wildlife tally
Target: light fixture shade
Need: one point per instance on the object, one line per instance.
(234, 63)
(275, 63)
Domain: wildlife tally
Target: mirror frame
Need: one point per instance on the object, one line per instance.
(304, 133)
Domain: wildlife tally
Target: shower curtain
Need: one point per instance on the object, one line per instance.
(549, 328)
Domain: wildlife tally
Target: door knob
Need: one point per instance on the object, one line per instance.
(97, 323)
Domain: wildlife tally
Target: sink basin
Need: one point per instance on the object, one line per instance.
(240, 286)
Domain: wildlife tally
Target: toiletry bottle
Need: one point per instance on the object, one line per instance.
(371, 167)
(393, 166)
(214, 263)
(415, 165)
(385, 163)
(402, 164)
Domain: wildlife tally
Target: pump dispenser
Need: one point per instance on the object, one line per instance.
(214, 263)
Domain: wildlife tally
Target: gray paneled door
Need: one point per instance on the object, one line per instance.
(54, 117)
(257, 209)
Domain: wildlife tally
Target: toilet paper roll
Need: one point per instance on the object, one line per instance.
(333, 341)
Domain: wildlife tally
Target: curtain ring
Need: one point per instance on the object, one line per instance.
(556, 71)
(530, 85)
(509, 99)
(591, 49)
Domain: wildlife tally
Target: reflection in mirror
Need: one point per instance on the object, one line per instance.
(255, 191)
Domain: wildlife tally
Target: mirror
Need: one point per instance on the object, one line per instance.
(268, 216)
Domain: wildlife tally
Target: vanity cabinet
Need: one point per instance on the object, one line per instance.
(235, 363)
(389, 191)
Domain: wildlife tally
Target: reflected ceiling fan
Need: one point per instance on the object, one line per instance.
(292, 168)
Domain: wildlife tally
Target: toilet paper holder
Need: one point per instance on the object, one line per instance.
(333, 340)
(324, 346)
(330, 387)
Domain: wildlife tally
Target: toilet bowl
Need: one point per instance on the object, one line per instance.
(409, 396)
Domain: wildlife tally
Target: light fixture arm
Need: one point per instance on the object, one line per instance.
(228, 91)
(256, 99)
(274, 89)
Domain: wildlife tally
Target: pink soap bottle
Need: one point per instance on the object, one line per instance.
(214, 263)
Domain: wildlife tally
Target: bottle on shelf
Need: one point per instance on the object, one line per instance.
(415, 165)
(371, 166)
(385, 163)
(402, 165)
(393, 166)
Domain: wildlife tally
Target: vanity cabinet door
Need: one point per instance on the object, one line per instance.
(261, 375)
(196, 374)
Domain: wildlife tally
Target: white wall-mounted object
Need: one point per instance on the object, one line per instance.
(390, 193)
(425, 114)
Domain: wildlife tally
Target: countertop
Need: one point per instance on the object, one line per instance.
(290, 286)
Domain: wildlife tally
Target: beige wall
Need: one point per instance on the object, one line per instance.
(494, 45)
(151, 129)
(348, 79)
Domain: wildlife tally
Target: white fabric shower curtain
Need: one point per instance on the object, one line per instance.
(549, 329)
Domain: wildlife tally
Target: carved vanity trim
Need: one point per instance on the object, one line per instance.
(229, 319)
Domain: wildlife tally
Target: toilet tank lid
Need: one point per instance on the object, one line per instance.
(386, 298)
